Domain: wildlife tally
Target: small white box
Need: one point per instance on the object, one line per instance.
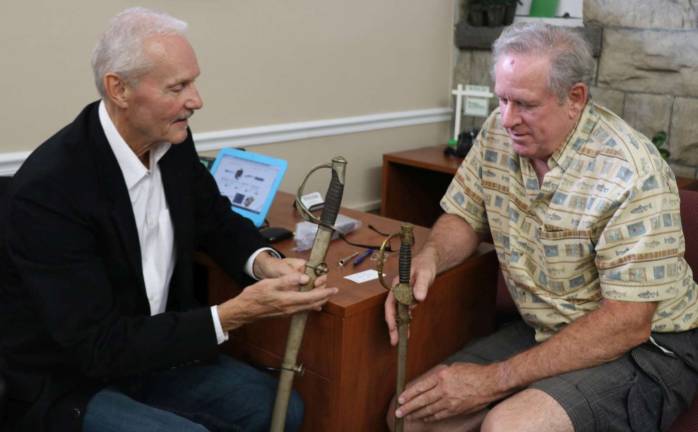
(305, 231)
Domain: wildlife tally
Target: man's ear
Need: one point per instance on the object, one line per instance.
(116, 89)
(578, 96)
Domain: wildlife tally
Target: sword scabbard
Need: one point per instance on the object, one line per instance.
(314, 268)
(403, 299)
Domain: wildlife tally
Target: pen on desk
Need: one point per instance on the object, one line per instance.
(365, 254)
(346, 259)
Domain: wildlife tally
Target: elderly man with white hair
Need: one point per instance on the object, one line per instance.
(102, 325)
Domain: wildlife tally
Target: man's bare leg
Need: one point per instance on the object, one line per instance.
(515, 414)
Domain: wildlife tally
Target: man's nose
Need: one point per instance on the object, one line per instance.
(194, 101)
(510, 116)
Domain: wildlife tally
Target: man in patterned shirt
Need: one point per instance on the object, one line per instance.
(584, 216)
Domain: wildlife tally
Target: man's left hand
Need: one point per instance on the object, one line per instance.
(267, 266)
(446, 391)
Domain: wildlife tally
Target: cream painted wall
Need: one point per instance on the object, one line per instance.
(263, 63)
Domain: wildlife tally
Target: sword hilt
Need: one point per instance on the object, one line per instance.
(405, 263)
(333, 197)
(401, 291)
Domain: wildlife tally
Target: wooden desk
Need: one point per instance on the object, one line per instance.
(350, 365)
(415, 180)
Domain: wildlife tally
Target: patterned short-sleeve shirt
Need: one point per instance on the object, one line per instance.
(605, 223)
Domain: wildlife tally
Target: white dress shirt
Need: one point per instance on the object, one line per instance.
(153, 220)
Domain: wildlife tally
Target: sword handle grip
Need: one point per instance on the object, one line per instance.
(333, 199)
(405, 260)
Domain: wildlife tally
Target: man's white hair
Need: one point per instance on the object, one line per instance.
(571, 61)
(120, 48)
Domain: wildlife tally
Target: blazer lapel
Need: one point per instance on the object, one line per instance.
(116, 194)
(122, 215)
(176, 189)
(176, 194)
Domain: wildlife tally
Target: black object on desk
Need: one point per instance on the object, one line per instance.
(275, 234)
(465, 142)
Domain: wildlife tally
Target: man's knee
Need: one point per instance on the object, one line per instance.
(260, 418)
(408, 426)
(294, 418)
(500, 418)
(515, 413)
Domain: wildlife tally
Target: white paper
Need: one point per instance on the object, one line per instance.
(478, 107)
(477, 91)
(304, 234)
(364, 276)
(311, 199)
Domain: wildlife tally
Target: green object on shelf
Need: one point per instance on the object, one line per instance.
(453, 143)
(543, 8)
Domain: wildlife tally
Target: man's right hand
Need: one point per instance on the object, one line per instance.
(451, 240)
(273, 297)
(422, 275)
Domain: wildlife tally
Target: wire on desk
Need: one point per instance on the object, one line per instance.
(362, 245)
(371, 227)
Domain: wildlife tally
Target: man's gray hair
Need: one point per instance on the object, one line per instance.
(120, 48)
(571, 61)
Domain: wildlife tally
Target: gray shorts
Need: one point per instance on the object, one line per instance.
(644, 390)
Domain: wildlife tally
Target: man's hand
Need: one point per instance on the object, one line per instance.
(423, 272)
(451, 240)
(266, 266)
(274, 297)
(445, 391)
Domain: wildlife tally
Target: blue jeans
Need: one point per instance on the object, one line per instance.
(226, 395)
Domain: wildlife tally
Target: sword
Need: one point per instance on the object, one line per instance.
(403, 297)
(314, 268)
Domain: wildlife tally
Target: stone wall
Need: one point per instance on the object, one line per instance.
(647, 71)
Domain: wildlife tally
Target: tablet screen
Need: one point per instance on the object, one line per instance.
(246, 183)
(249, 180)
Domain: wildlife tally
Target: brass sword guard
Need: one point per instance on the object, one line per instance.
(402, 291)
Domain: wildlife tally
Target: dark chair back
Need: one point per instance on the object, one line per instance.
(689, 220)
(688, 421)
(4, 184)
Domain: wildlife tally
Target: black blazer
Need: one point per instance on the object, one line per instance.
(74, 315)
